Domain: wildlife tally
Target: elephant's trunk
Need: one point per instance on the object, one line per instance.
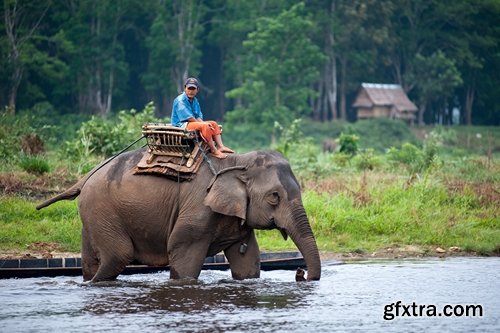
(301, 233)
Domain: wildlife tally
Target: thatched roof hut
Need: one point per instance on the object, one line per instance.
(384, 100)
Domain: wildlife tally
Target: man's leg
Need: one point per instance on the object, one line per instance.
(218, 138)
(207, 135)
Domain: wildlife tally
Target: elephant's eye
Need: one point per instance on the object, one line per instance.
(274, 198)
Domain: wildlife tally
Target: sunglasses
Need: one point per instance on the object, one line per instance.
(191, 88)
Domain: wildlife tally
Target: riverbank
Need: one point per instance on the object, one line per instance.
(42, 250)
(354, 215)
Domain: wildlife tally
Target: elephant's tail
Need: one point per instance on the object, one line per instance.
(74, 191)
(69, 194)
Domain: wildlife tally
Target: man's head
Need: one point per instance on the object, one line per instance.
(191, 83)
(191, 87)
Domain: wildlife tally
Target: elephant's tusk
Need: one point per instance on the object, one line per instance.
(242, 222)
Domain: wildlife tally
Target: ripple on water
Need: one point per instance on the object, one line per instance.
(349, 297)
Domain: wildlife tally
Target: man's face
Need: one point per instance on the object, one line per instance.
(191, 92)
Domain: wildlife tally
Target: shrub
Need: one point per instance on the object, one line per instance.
(341, 159)
(34, 164)
(106, 137)
(348, 144)
(367, 160)
(288, 137)
(409, 156)
(380, 133)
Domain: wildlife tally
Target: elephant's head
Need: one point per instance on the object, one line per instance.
(265, 194)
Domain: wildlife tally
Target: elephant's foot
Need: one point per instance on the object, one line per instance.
(300, 275)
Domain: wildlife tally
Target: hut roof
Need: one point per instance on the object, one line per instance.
(384, 94)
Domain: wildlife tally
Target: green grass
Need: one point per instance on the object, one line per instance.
(389, 213)
(349, 212)
(21, 224)
(453, 202)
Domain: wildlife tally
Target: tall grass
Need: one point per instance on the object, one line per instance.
(395, 191)
(364, 216)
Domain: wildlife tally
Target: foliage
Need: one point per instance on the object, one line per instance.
(348, 144)
(288, 137)
(436, 76)
(363, 203)
(443, 136)
(384, 212)
(367, 160)
(34, 164)
(380, 133)
(276, 88)
(246, 137)
(105, 137)
(97, 58)
(414, 159)
(409, 156)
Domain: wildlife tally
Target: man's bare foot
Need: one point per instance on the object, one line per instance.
(224, 149)
(218, 154)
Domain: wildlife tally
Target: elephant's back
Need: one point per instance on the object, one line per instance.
(116, 202)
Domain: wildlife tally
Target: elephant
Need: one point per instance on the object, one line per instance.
(154, 220)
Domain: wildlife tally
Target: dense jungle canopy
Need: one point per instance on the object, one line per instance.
(258, 61)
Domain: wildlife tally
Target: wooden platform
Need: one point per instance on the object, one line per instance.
(29, 268)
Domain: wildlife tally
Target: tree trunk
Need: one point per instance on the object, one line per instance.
(14, 19)
(469, 100)
(343, 88)
(15, 80)
(421, 112)
(331, 76)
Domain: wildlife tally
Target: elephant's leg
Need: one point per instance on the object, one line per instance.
(90, 263)
(116, 253)
(186, 254)
(244, 265)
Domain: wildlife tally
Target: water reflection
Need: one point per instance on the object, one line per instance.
(348, 298)
(192, 297)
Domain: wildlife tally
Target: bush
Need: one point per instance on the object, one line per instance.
(341, 159)
(289, 137)
(408, 156)
(367, 160)
(106, 137)
(34, 164)
(381, 133)
(348, 144)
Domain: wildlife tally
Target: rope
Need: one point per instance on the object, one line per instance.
(205, 156)
(184, 151)
(113, 157)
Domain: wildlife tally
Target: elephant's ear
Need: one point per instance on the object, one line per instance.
(227, 195)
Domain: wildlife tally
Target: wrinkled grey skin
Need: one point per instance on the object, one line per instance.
(156, 221)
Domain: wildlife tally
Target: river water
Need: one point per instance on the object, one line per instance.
(352, 297)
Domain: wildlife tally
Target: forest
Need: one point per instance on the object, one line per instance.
(258, 61)
(80, 78)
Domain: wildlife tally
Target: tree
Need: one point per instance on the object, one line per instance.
(477, 53)
(173, 46)
(224, 54)
(282, 62)
(435, 77)
(21, 21)
(100, 67)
